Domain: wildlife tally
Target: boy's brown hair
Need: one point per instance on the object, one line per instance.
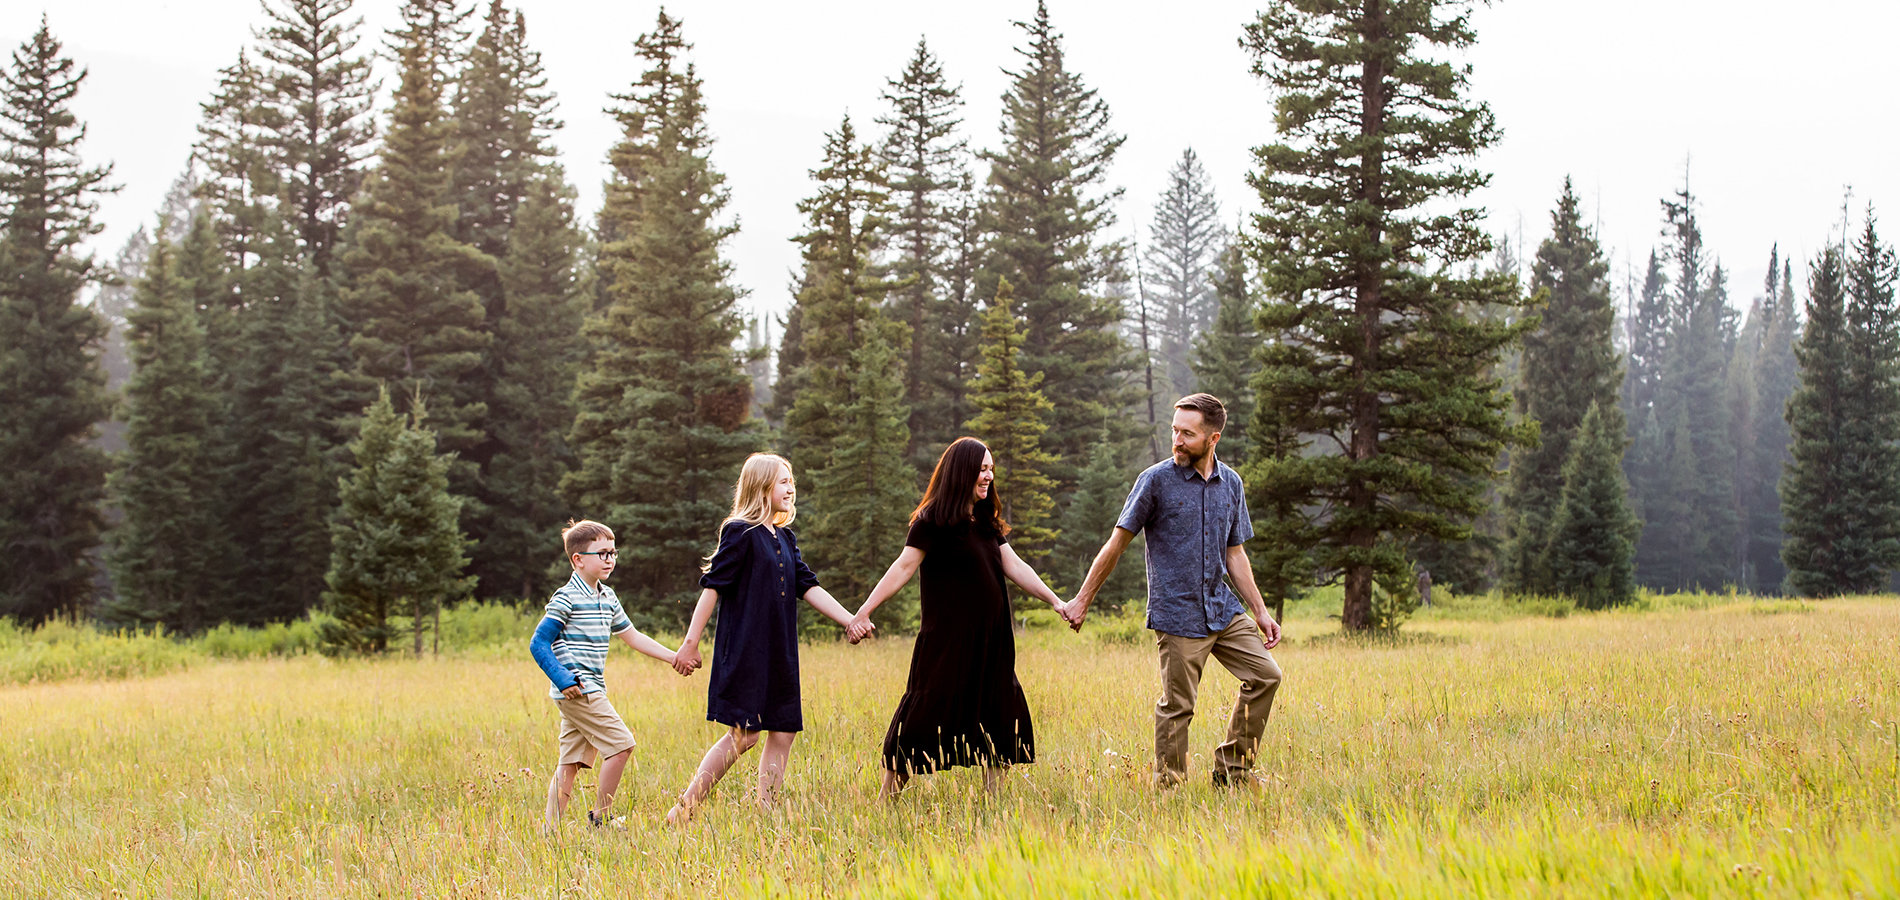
(1212, 411)
(577, 535)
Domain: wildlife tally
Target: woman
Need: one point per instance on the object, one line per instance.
(962, 705)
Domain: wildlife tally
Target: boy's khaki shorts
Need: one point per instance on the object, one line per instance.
(589, 726)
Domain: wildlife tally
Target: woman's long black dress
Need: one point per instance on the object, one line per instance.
(759, 575)
(962, 705)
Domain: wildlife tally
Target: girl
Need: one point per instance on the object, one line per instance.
(758, 572)
(962, 705)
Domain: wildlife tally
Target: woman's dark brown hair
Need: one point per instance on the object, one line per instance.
(947, 500)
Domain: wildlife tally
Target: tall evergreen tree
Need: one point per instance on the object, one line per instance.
(1088, 518)
(1776, 377)
(864, 484)
(927, 162)
(168, 552)
(665, 401)
(415, 323)
(1373, 342)
(242, 179)
(1690, 522)
(1828, 550)
(1012, 413)
(1646, 330)
(1569, 366)
(1225, 354)
(319, 99)
(1872, 422)
(852, 444)
(281, 471)
(537, 355)
(1046, 222)
(396, 547)
(51, 386)
(1183, 245)
(1591, 551)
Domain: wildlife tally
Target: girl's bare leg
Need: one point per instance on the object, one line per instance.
(718, 760)
(894, 782)
(772, 763)
(993, 778)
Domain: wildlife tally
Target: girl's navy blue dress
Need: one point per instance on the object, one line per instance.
(760, 577)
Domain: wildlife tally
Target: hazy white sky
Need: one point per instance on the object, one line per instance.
(1776, 110)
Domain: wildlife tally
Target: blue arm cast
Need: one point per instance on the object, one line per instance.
(542, 646)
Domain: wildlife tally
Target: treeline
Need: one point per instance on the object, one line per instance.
(372, 359)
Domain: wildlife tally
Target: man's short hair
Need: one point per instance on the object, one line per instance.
(577, 535)
(1209, 406)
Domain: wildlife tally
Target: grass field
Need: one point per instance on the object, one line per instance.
(1741, 750)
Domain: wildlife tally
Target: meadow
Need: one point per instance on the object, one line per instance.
(1719, 747)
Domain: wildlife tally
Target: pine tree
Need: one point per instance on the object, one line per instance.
(1183, 245)
(1871, 550)
(415, 324)
(280, 468)
(926, 163)
(851, 426)
(1690, 523)
(1224, 361)
(1087, 519)
(168, 552)
(537, 356)
(1011, 416)
(242, 179)
(1284, 530)
(1373, 339)
(1569, 366)
(1045, 223)
(665, 399)
(396, 547)
(864, 485)
(1591, 552)
(1820, 489)
(1646, 330)
(1777, 376)
(319, 112)
(51, 385)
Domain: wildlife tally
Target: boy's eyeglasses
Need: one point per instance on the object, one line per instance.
(605, 555)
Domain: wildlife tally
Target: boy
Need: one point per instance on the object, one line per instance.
(570, 645)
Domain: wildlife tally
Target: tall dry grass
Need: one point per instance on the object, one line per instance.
(1743, 749)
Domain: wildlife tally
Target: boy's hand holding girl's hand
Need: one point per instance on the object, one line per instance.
(687, 659)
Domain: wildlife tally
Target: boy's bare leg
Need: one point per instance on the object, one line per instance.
(993, 778)
(560, 788)
(610, 771)
(894, 782)
(772, 762)
(712, 767)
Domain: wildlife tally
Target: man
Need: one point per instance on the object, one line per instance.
(1195, 512)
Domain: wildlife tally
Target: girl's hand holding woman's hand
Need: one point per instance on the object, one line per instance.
(858, 628)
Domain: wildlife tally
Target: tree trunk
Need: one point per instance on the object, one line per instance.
(1360, 498)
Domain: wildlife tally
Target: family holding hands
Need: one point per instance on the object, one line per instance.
(962, 704)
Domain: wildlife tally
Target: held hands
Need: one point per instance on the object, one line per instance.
(858, 628)
(1073, 612)
(687, 659)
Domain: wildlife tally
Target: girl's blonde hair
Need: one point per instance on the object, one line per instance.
(752, 495)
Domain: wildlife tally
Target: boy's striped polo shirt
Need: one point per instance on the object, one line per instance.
(589, 620)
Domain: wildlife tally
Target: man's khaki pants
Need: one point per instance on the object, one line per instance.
(1240, 649)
